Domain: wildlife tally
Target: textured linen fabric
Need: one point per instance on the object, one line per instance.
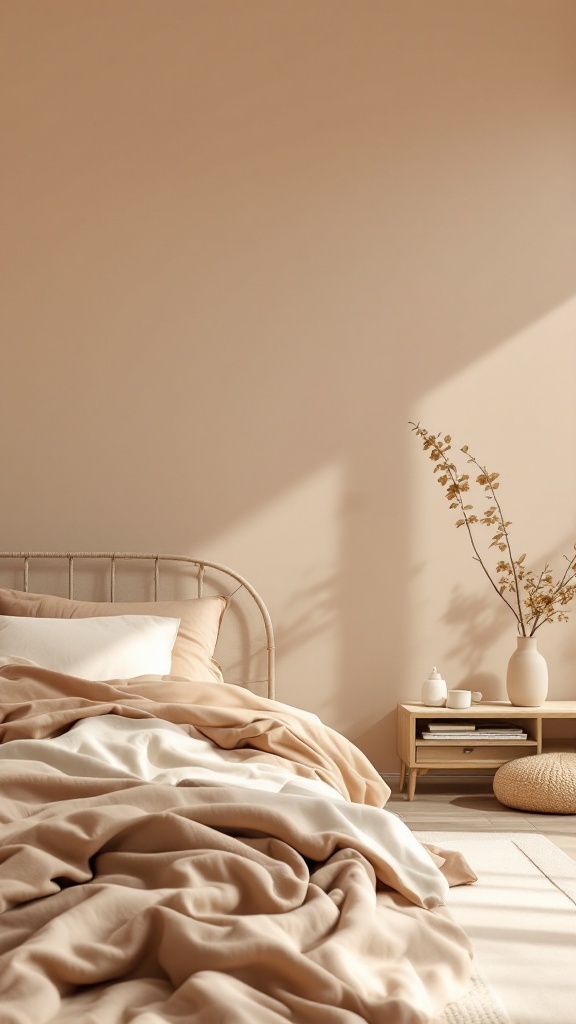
(123, 899)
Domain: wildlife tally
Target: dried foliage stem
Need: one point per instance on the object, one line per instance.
(544, 600)
(503, 526)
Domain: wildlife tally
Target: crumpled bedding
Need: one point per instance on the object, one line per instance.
(147, 876)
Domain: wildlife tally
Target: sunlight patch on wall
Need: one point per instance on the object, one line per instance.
(515, 409)
(291, 550)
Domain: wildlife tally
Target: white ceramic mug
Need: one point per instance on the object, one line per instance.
(462, 698)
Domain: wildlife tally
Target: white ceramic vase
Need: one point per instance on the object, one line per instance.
(527, 676)
(434, 691)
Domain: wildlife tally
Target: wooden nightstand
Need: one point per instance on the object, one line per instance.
(418, 755)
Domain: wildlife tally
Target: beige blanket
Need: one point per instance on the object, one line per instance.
(129, 901)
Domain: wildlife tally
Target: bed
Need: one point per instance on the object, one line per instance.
(176, 846)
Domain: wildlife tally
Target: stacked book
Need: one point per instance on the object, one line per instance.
(461, 730)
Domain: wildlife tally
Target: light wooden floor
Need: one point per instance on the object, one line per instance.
(442, 804)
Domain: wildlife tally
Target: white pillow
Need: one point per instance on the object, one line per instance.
(105, 647)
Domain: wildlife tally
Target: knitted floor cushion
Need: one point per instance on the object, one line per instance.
(541, 782)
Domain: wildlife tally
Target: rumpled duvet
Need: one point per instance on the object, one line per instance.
(182, 852)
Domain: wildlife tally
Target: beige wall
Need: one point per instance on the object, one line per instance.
(243, 243)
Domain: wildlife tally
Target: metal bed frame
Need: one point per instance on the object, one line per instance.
(199, 565)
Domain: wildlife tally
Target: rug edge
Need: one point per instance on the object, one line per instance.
(556, 865)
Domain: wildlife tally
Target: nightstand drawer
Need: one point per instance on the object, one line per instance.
(432, 753)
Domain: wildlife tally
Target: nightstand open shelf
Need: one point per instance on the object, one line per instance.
(418, 755)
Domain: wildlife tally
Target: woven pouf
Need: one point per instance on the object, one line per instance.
(541, 782)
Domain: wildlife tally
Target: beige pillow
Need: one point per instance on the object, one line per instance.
(200, 618)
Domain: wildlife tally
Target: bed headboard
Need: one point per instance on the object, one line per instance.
(245, 647)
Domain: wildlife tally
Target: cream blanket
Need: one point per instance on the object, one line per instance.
(146, 876)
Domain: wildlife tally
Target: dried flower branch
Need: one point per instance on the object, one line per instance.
(533, 598)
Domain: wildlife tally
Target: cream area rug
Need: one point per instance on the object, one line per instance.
(521, 918)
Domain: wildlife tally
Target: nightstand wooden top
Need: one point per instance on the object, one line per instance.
(493, 709)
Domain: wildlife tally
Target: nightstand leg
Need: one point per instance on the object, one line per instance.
(402, 776)
(412, 783)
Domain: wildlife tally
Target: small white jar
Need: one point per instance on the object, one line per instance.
(434, 691)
